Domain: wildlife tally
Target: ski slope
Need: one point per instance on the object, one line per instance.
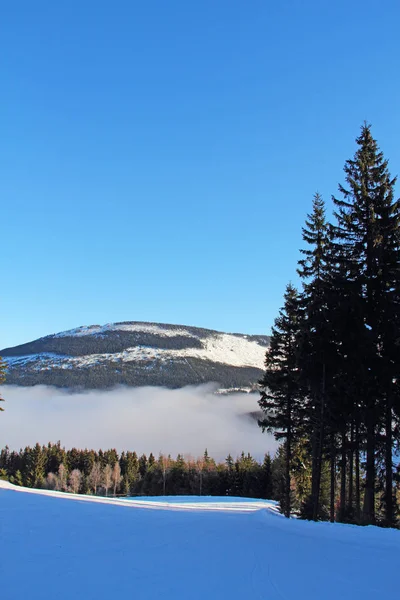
(60, 546)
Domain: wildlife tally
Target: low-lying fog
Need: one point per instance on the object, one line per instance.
(146, 419)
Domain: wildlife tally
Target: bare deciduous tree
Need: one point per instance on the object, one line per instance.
(165, 462)
(52, 482)
(75, 481)
(200, 466)
(95, 476)
(116, 477)
(107, 476)
(62, 477)
(189, 460)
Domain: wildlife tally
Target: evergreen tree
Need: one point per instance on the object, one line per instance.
(17, 479)
(368, 230)
(55, 456)
(178, 478)
(35, 463)
(144, 463)
(125, 486)
(73, 459)
(280, 391)
(111, 457)
(229, 479)
(266, 478)
(89, 459)
(5, 458)
(312, 357)
(131, 468)
(318, 356)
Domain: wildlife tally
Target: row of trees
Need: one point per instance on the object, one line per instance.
(88, 471)
(99, 479)
(331, 385)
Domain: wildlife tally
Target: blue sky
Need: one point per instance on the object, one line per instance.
(158, 159)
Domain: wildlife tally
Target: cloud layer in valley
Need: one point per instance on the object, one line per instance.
(148, 419)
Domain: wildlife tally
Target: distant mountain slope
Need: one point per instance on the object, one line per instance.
(138, 354)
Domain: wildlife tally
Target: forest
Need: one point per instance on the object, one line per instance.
(106, 472)
(331, 389)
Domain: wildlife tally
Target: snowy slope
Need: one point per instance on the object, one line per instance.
(138, 354)
(81, 548)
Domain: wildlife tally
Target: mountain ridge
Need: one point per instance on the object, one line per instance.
(137, 353)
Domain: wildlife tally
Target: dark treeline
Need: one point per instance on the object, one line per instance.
(331, 386)
(107, 472)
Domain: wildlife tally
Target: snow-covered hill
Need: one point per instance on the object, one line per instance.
(138, 354)
(54, 545)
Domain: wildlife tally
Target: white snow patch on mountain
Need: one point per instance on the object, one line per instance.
(231, 350)
(149, 328)
(221, 348)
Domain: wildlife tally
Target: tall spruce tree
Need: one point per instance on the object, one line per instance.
(349, 377)
(316, 350)
(367, 230)
(280, 385)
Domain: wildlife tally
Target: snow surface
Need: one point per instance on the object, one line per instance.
(221, 348)
(184, 548)
(44, 359)
(99, 330)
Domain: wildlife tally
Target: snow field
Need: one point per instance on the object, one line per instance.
(88, 548)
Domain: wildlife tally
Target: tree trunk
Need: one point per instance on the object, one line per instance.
(368, 517)
(318, 450)
(317, 487)
(389, 517)
(287, 474)
(351, 471)
(357, 466)
(333, 480)
(320, 442)
(314, 471)
(343, 479)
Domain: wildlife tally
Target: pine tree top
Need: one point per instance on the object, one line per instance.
(316, 236)
(370, 185)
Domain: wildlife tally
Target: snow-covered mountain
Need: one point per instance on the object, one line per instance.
(138, 354)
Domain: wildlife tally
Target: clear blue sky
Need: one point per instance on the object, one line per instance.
(158, 159)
